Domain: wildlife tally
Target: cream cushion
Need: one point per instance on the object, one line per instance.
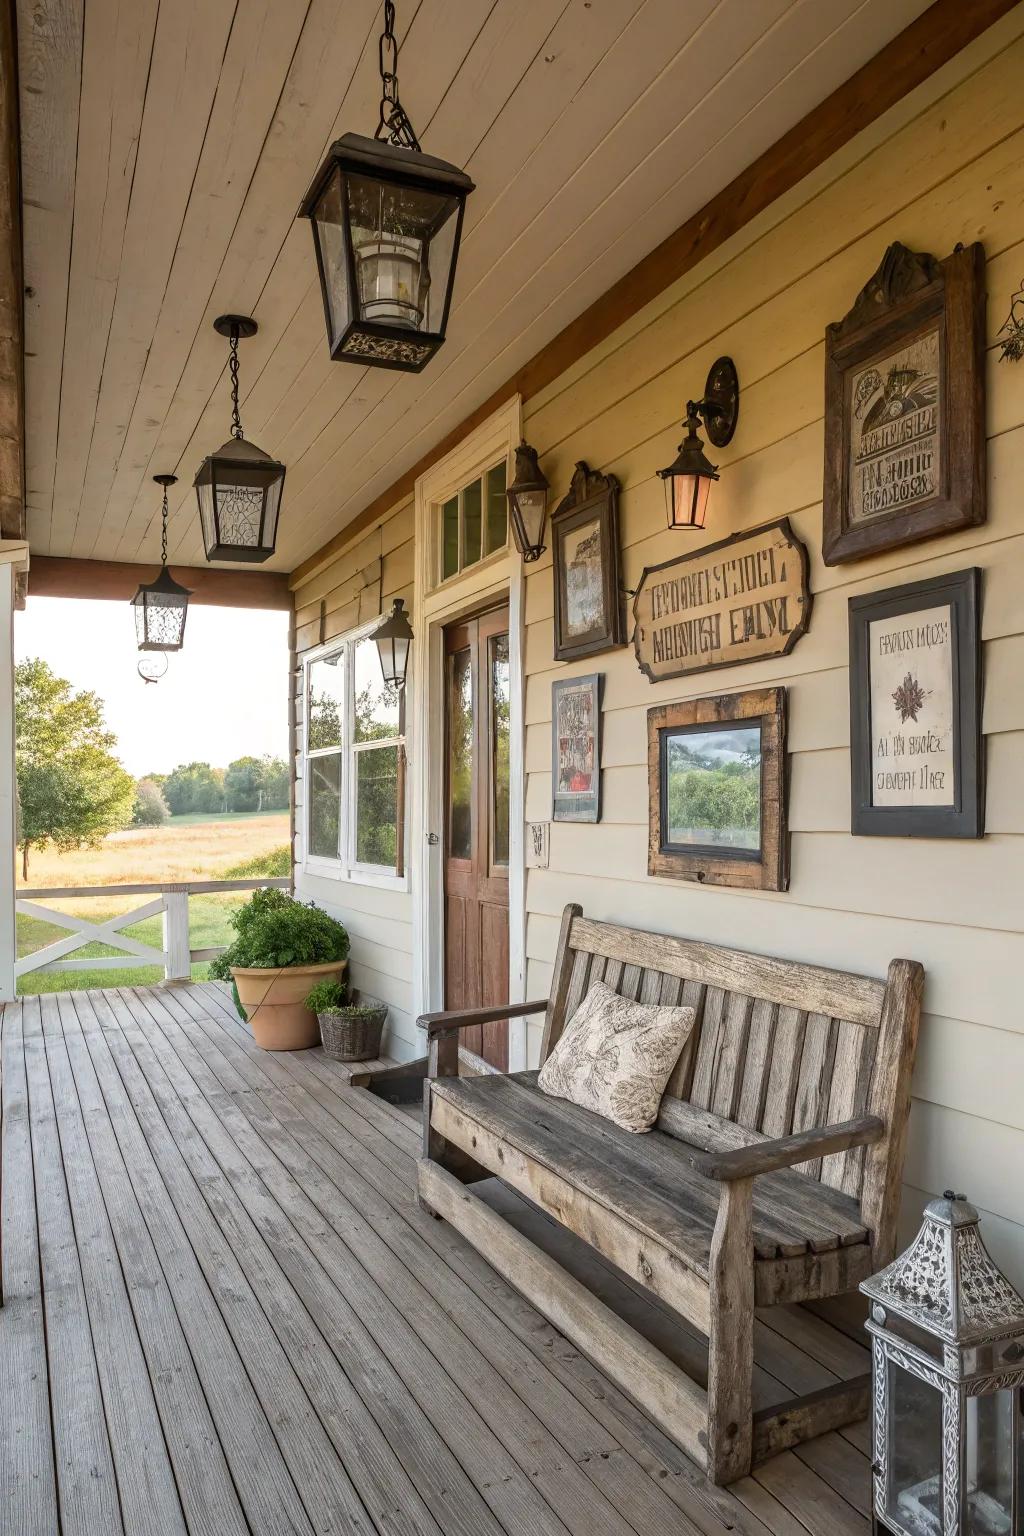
(615, 1057)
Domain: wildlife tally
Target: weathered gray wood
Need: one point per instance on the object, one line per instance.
(890, 1098)
(787, 1424)
(814, 1081)
(789, 1151)
(731, 1342)
(565, 996)
(851, 1082)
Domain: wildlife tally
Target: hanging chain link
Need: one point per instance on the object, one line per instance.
(163, 531)
(236, 420)
(393, 125)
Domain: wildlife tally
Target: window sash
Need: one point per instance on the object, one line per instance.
(487, 548)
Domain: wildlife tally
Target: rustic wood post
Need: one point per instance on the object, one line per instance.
(731, 1343)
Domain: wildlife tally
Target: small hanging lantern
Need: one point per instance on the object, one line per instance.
(528, 504)
(948, 1361)
(161, 606)
(688, 480)
(238, 487)
(386, 226)
(393, 636)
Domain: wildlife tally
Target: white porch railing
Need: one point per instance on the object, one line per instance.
(176, 956)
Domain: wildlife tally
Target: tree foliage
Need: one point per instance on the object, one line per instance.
(72, 790)
(256, 784)
(150, 805)
(194, 789)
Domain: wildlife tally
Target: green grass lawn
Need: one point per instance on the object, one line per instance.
(194, 819)
(208, 926)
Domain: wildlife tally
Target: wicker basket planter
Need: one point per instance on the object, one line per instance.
(353, 1033)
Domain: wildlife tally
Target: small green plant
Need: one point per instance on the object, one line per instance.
(274, 930)
(327, 995)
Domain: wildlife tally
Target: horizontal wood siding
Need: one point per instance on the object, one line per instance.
(946, 165)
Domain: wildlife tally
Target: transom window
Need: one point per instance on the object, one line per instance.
(355, 761)
(474, 523)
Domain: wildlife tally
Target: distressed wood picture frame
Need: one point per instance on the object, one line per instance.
(905, 406)
(917, 754)
(585, 555)
(705, 757)
(576, 748)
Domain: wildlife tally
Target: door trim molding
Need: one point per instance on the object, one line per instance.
(496, 580)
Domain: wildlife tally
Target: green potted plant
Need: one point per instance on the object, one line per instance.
(281, 946)
(350, 1028)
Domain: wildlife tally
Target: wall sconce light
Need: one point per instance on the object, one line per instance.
(528, 504)
(393, 636)
(688, 480)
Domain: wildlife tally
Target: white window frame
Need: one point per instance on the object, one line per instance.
(346, 866)
(493, 556)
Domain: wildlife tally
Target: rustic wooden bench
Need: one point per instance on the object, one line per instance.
(773, 1174)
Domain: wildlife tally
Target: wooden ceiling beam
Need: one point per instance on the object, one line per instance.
(117, 581)
(12, 329)
(937, 35)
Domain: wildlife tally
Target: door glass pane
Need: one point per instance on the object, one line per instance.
(501, 698)
(450, 538)
(471, 524)
(460, 757)
(376, 705)
(326, 693)
(497, 509)
(324, 805)
(377, 806)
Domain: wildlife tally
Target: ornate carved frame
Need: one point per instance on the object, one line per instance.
(903, 299)
(590, 494)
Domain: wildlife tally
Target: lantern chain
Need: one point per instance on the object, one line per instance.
(394, 124)
(163, 530)
(236, 420)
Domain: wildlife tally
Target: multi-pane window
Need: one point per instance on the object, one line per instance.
(474, 523)
(355, 761)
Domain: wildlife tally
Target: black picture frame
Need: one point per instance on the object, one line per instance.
(964, 815)
(574, 806)
(592, 499)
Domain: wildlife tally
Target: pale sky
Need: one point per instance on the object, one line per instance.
(224, 695)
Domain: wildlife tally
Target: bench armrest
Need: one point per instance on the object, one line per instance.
(437, 1024)
(785, 1151)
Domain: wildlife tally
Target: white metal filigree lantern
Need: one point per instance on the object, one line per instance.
(948, 1348)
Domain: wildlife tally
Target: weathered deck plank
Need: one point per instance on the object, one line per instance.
(227, 1312)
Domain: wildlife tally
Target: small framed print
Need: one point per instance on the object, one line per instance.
(905, 406)
(717, 779)
(917, 767)
(576, 749)
(585, 554)
(538, 844)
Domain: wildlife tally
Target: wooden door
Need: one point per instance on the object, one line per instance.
(477, 696)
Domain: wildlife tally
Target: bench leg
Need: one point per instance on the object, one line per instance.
(731, 1342)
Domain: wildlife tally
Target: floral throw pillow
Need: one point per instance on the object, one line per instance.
(615, 1057)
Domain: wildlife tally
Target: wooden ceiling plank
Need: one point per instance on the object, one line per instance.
(116, 53)
(50, 78)
(117, 581)
(911, 57)
(188, 56)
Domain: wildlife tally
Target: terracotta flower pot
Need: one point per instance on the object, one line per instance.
(274, 1003)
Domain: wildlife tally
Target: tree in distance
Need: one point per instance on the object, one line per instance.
(150, 805)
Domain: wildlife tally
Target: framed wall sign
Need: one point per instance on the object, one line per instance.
(743, 599)
(716, 772)
(917, 766)
(905, 406)
(576, 749)
(585, 552)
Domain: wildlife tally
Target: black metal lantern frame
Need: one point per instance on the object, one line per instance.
(161, 606)
(393, 637)
(528, 504)
(387, 221)
(239, 487)
(689, 478)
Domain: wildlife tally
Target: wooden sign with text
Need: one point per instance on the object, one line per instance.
(741, 600)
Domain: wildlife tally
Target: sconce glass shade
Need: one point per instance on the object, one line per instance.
(386, 226)
(239, 493)
(393, 637)
(161, 607)
(688, 481)
(528, 504)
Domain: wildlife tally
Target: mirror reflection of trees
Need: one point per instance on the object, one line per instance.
(715, 799)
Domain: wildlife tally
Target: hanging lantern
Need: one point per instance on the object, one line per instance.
(688, 480)
(161, 606)
(238, 487)
(393, 636)
(948, 1362)
(528, 504)
(386, 225)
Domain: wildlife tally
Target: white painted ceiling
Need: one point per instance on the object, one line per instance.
(167, 144)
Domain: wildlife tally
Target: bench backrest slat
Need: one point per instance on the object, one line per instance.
(778, 1046)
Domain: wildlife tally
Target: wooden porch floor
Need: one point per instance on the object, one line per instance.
(224, 1313)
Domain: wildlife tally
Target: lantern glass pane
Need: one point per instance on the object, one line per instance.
(376, 704)
(914, 1453)
(686, 500)
(325, 805)
(204, 495)
(401, 251)
(394, 660)
(496, 521)
(239, 511)
(531, 506)
(377, 806)
(471, 523)
(990, 1431)
(330, 237)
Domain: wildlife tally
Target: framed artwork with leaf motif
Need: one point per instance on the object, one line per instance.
(917, 766)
